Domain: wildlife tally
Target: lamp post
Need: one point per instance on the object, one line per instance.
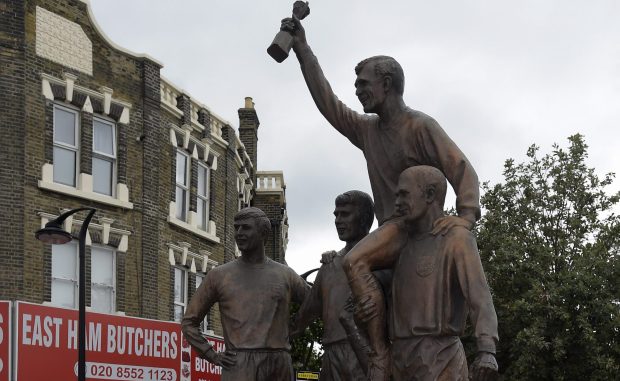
(53, 233)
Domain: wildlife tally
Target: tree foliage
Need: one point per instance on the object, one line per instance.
(550, 243)
(305, 348)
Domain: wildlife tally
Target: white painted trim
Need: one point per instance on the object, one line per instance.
(197, 126)
(46, 89)
(173, 110)
(124, 119)
(208, 234)
(173, 138)
(71, 87)
(107, 99)
(186, 135)
(220, 141)
(202, 256)
(180, 90)
(124, 244)
(245, 153)
(88, 106)
(47, 183)
(238, 159)
(70, 81)
(122, 247)
(171, 259)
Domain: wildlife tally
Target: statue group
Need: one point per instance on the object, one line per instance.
(394, 302)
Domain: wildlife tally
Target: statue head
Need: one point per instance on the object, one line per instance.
(377, 77)
(252, 226)
(421, 189)
(354, 214)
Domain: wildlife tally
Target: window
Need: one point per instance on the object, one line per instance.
(182, 186)
(202, 193)
(65, 145)
(240, 194)
(104, 156)
(180, 293)
(102, 288)
(204, 325)
(65, 275)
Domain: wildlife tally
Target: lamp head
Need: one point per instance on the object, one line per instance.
(53, 233)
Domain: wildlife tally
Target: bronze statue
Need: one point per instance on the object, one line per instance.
(283, 42)
(396, 138)
(254, 294)
(437, 282)
(354, 213)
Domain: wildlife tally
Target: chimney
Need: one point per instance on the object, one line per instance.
(248, 133)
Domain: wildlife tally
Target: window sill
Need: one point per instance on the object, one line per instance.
(191, 227)
(88, 309)
(48, 184)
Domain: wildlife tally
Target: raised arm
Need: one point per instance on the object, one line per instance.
(345, 120)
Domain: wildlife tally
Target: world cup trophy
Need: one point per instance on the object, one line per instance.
(283, 42)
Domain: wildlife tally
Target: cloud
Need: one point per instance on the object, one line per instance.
(498, 76)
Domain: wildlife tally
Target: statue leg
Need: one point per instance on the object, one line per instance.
(379, 358)
(378, 250)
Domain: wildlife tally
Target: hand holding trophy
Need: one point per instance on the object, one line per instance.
(283, 42)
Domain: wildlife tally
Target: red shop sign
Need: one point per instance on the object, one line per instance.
(5, 340)
(117, 348)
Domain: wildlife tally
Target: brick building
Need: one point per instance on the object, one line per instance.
(87, 123)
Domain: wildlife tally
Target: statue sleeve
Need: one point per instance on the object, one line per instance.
(348, 122)
(441, 152)
(299, 287)
(199, 305)
(474, 285)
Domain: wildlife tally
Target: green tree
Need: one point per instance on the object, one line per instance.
(305, 348)
(550, 242)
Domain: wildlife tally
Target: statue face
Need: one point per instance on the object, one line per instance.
(348, 223)
(247, 234)
(410, 199)
(369, 89)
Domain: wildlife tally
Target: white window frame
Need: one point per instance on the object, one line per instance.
(204, 325)
(203, 224)
(74, 280)
(113, 159)
(96, 285)
(183, 301)
(182, 213)
(239, 198)
(68, 147)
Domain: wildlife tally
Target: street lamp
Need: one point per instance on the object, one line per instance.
(53, 233)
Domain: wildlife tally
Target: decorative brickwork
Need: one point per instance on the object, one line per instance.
(103, 80)
(63, 41)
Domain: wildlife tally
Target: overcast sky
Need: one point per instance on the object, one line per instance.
(497, 75)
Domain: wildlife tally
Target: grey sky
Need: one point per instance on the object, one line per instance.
(497, 75)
